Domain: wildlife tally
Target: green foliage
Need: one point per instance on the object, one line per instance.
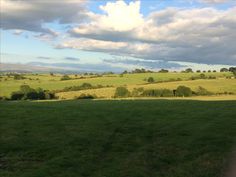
(84, 86)
(18, 95)
(150, 79)
(87, 96)
(163, 71)
(28, 93)
(188, 70)
(18, 77)
(65, 77)
(183, 91)
(137, 92)
(121, 92)
(142, 70)
(224, 70)
(203, 92)
(157, 93)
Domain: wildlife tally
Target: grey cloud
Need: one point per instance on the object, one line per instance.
(86, 67)
(44, 58)
(32, 15)
(72, 58)
(148, 64)
(204, 35)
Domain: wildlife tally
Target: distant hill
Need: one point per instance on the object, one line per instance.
(24, 68)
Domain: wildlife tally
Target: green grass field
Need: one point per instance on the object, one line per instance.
(46, 81)
(142, 138)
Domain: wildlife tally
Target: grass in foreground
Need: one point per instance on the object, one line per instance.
(141, 138)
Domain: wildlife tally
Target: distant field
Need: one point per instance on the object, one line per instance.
(46, 81)
(213, 85)
(142, 138)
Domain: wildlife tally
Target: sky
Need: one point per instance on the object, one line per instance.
(109, 35)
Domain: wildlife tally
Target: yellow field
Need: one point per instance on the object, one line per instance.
(131, 81)
(213, 85)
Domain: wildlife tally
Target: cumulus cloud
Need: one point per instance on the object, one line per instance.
(31, 15)
(202, 35)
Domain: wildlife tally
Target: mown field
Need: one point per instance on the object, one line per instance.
(142, 138)
(45, 81)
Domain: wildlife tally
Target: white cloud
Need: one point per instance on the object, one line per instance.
(214, 1)
(205, 35)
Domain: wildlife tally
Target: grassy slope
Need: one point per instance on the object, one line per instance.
(53, 83)
(213, 85)
(116, 138)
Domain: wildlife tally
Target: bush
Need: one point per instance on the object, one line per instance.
(183, 91)
(202, 76)
(17, 95)
(137, 92)
(202, 91)
(26, 92)
(65, 77)
(158, 93)
(86, 96)
(18, 77)
(150, 79)
(121, 92)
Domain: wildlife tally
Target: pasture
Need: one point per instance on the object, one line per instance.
(48, 82)
(141, 138)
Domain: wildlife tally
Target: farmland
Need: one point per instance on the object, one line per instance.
(220, 84)
(142, 138)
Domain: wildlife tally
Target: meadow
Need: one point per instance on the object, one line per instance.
(162, 80)
(141, 138)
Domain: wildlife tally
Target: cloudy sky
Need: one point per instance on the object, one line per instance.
(118, 35)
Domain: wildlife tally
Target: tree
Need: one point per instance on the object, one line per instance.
(224, 70)
(125, 72)
(17, 95)
(198, 71)
(183, 91)
(122, 92)
(150, 79)
(188, 70)
(163, 71)
(233, 70)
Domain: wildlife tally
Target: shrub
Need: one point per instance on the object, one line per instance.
(18, 77)
(65, 77)
(158, 93)
(26, 92)
(121, 92)
(202, 76)
(150, 79)
(183, 91)
(86, 96)
(202, 91)
(212, 77)
(137, 92)
(17, 95)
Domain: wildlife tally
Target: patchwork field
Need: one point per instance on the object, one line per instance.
(142, 138)
(45, 81)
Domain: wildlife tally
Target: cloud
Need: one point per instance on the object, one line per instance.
(72, 58)
(213, 1)
(32, 15)
(201, 35)
(147, 64)
(44, 58)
